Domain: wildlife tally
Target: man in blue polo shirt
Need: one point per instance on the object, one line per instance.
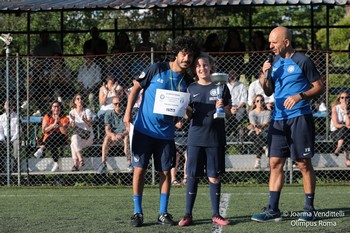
(154, 133)
(294, 81)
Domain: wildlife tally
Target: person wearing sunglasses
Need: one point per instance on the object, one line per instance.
(116, 134)
(259, 120)
(340, 124)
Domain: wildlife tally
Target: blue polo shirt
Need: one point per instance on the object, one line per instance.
(292, 76)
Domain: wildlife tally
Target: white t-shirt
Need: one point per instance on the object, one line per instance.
(79, 118)
(89, 76)
(13, 127)
(340, 116)
(255, 88)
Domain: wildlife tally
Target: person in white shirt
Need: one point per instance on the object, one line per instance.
(239, 96)
(89, 77)
(14, 128)
(80, 119)
(255, 88)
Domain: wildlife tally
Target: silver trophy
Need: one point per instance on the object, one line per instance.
(220, 79)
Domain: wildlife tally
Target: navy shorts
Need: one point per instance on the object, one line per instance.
(293, 138)
(212, 159)
(144, 146)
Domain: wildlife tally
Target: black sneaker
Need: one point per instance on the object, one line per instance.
(165, 219)
(137, 220)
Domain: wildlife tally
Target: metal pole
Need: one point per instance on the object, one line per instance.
(18, 123)
(8, 116)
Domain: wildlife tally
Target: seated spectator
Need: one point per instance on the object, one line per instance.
(340, 125)
(122, 45)
(108, 90)
(14, 128)
(259, 120)
(256, 59)
(255, 88)
(116, 134)
(89, 78)
(234, 44)
(55, 130)
(239, 95)
(82, 135)
(212, 43)
(146, 44)
(46, 47)
(180, 143)
(95, 45)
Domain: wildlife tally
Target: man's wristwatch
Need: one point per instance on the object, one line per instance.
(302, 95)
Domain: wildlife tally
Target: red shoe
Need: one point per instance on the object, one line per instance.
(219, 220)
(185, 221)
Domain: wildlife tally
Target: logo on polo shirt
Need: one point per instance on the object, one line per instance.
(291, 69)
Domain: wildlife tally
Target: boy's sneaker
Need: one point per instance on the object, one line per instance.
(185, 221)
(269, 215)
(308, 214)
(102, 168)
(39, 153)
(137, 220)
(55, 167)
(219, 220)
(165, 219)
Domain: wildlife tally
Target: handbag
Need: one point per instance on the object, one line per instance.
(83, 133)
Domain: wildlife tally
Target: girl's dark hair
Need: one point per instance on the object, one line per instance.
(59, 104)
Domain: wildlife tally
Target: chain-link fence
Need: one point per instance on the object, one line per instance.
(34, 83)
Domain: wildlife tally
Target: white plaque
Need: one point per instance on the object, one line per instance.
(172, 103)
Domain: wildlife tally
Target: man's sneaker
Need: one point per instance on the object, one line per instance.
(55, 167)
(130, 168)
(165, 219)
(185, 221)
(219, 220)
(308, 214)
(257, 164)
(137, 220)
(39, 153)
(102, 168)
(269, 215)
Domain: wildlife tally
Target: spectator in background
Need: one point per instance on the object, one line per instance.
(80, 119)
(239, 96)
(55, 131)
(89, 78)
(116, 134)
(256, 88)
(61, 82)
(340, 124)
(234, 44)
(95, 45)
(46, 47)
(212, 43)
(14, 128)
(257, 57)
(259, 120)
(180, 144)
(122, 45)
(146, 44)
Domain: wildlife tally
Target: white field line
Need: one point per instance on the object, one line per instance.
(224, 201)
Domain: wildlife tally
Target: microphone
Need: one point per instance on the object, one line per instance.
(269, 71)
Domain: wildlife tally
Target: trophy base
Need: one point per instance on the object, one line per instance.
(219, 115)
